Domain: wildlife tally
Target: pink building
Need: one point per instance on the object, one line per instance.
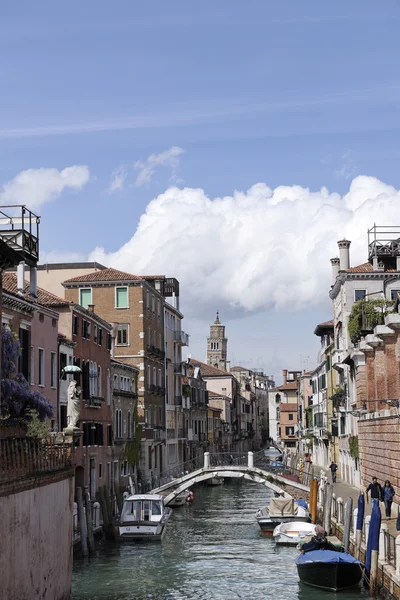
(39, 340)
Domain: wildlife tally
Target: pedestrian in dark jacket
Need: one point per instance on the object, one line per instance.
(376, 491)
(388, 493)
(333, 467)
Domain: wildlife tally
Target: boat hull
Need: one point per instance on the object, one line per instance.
(330, 576)
(132, 533)
(268, 524)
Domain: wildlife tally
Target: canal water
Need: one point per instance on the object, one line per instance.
(212, 550)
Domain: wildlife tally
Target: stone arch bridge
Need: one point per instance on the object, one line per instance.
(253, 467)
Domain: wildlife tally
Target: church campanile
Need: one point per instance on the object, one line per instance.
(217, 345)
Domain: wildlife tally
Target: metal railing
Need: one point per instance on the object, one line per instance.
(24, 457)
(389, 547)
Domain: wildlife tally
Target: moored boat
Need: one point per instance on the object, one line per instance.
(281, 510)
(143, 517)
(329, 570)
(293, 532)
(180, 500)
(215, 481)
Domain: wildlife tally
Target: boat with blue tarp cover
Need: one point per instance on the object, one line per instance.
(329, 570)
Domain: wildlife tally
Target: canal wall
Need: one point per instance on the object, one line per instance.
(36, 499)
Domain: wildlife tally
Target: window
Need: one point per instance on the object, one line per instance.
(100, 470)
(41, 366)
(149, 375)
(121, 297)
(109, 341)
(129, 424)
(154, 376)
(108, 388)
(85, 297)
(75, 325)
(115, 382)
(53, 369)
(32, 365)
(159, 377)
(123, 335)
(289, 430)
(86, 329)
(153, 303)
(359, 295)
(394, 294)
(100, 337)
(147, 300)
(290, 417)
(95, 334)
(99, 383)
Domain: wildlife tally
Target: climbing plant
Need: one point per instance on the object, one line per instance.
(131, 449)
(366, 314)
(19, 403)
(353, 446)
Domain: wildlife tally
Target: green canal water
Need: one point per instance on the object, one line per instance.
(212, 549)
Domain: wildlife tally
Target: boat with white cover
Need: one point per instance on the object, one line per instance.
(143, 517)
(180, 500)
(281, 510)
(292, 533)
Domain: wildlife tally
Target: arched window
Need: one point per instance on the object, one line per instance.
(99, 382)
(148, 375)
(154, 376)
(108, 387)
(129, 425)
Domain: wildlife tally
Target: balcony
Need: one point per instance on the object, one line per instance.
(94, 402)
(159, 435)
(171, 434)
(181, 338)
(19, 229)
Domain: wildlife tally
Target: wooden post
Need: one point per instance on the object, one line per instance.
(374, 570)
(104, 511)
(108, 503)
(347, 523)
(382, 546)
(327, 508)
(89, 521)
(314, 512)
(81, 515)
(312, 498)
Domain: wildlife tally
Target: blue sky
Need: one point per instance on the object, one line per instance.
(285, 93)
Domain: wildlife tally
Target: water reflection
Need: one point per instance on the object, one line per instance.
(212, 549)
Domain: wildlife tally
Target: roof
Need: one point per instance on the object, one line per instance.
(105, 275)
(121, 363)
(215, 395)
(321, 327)
(292, 385)
(208, 370)
(10, 284)
(288, 407)
(367, 268)
(240, 369)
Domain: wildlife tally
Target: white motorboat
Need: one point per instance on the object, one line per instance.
(180, 500)
(143, 517)
(292, 533)
(281, 510)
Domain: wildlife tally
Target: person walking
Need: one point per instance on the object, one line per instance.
(333, 467)
(376, 491)
(388, 494)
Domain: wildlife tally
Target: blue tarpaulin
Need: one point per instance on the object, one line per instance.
(360, 512)
(326, 556)
(373, 534)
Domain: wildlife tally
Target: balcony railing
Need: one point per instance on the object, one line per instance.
(25, 457)
(19, 229)
(181, 338)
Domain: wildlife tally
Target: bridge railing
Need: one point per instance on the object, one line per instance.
(225, 459)
(303, 475)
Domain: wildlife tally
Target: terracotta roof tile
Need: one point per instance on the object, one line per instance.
(208, 370)
(109, 275)
(366, 268)
(43, 296)
(292, 385)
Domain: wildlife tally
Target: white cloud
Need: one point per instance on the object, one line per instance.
(168, 158)
(35, 187)
(118, 179)
(258, 250)
(348, 168)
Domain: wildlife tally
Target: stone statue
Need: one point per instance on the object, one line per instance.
(73, 406)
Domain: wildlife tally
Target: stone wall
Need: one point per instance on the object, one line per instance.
(36, 537)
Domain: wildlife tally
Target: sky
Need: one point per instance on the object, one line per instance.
(229, 144)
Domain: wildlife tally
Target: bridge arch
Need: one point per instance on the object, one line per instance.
(174, 488)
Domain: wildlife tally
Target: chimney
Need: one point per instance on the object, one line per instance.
(335, 262)
(33, 282)
(375, 263)
(21, 278)
(91, 307)
(344, 253)
(228, 366)
(284, 375)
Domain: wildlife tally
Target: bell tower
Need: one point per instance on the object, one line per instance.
(217, 345)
